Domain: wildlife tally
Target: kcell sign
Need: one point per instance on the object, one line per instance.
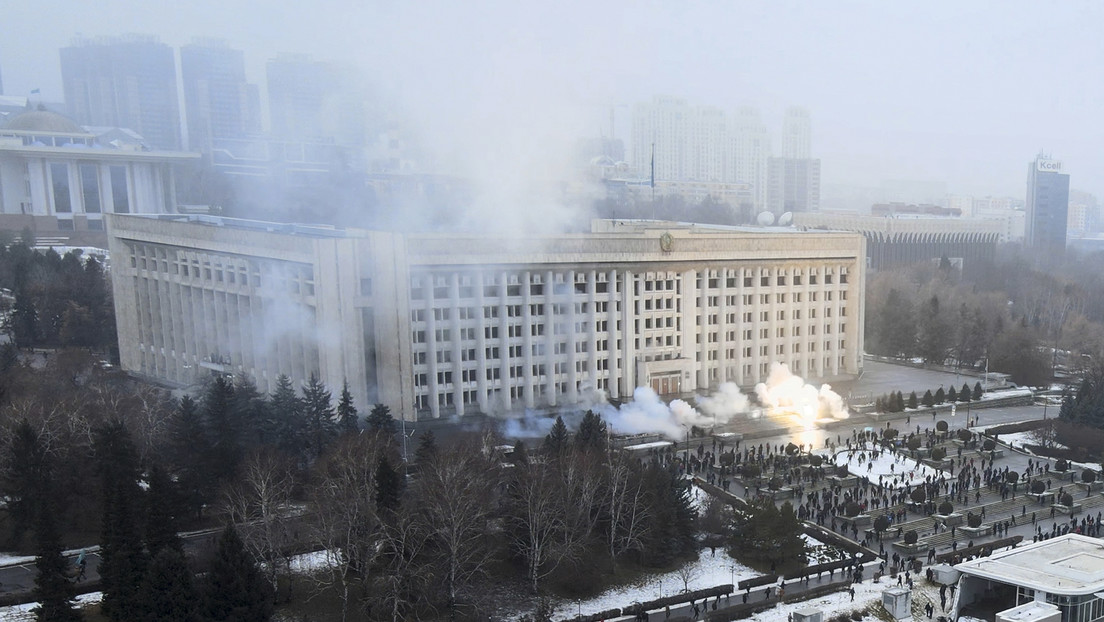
(1048, 166)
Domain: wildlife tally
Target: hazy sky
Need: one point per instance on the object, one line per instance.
(963, 92)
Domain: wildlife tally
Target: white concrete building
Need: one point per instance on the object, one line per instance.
(435, 324)
(797, 134)
(59, 179)
(1067, 572)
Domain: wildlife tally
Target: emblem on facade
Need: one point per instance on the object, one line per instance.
(666, 241)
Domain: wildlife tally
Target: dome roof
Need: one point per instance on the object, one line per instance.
(43, 121)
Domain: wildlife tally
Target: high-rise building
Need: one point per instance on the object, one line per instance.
(794, 185)
(127, 82)
(797, 134)
(701, 144)
(1047, 206)
(218, 102)
(311, 100)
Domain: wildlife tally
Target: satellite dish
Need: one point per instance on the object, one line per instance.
(765, 219)
(785, 220)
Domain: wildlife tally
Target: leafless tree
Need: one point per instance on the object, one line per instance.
(687, 573)
(405, 575)
(627, 508)
(539, 528)
(260, 503)
(1046, 435)
(343, 513)
(455, 493)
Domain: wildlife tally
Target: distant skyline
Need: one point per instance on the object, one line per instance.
(964, 93)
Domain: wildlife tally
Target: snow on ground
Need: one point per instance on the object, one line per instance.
(7, 559)
(889, 466)
(24, 613)
(986, 428)
(708, 571)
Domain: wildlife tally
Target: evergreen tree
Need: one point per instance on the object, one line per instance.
(592, 435)
(940, 396)
(521, 454)
(53, 590)
(977, 391)
(286, 408)
(251, 413)
(24, 320)
(900, 402)
(952, 395)
(347, 416)
(912, 400)
(672, 523)
(318, 412)
(234, 588)
(380, 421)
(162, 508)
(964, 393)
(1066, 411)
(388, 487)
(25, 473)
(223, 426)
(427, 448)
(122, 561)
(556, 442)
(933, 336)
(768, 534)
(169, 589)
(928, 399)
(895, 330)
(188, 452)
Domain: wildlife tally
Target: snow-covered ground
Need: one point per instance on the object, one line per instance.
(7, 559)
(889, 466)
(24, 613)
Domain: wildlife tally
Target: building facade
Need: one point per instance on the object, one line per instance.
(901, 241)
(218, 101)
(127, 82)
(315, 101)
(59, 179)
(797, 134)
(793, 185)
(435, 325)
(1048, 190)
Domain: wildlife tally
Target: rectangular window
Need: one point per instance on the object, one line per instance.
(119, 195)
(59, 174)
(90, 188)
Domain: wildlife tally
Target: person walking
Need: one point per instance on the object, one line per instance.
(851, 591)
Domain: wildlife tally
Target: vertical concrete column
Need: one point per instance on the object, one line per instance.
(457, 365)
(431, 346)
(548, 320)
(614, 353)
(503, 342)
(480, 343)
(570, 320)
(592, 328)
(628, 334)
(723, 327)
(527, 339)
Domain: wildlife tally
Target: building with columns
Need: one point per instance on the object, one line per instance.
(442, 324)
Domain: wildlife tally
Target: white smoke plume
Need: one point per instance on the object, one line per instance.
(785, 391)
(724, 405)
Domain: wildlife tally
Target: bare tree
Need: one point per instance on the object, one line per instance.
(687, 573)
(627, 508)
(343, 511)
(455, 492)
(260, 503)
(404, 575)
(539, 528)
(1046, 435)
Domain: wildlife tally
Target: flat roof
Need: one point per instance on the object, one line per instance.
(1069, 565)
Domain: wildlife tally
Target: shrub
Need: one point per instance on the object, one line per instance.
(1066, 500)
(881, 523)
(914, 442)
(1037, 487)
(1012, 477)
(816, 460)
(728, 458)
(1061, 466)
(938, 453)
(973, 520)
(775, 483)
(911, 537)
(941, 426)
(1088, 476)
(918, 494)
(964, 435)
(889, 434)
(751, 470)
(989, 444)
(852, 509)
(791, 449)
(946, 508)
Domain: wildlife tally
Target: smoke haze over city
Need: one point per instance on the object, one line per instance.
(958, 93)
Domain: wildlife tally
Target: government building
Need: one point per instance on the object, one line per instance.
(439, 325)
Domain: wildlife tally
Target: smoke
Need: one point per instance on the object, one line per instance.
(782, 394)
(784, 391)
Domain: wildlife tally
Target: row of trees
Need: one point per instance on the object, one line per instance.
(895, 401)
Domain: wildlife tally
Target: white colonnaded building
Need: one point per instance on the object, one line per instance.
(451, 324)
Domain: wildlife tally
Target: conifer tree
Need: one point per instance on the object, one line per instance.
(940, 396)
(234, 588)
(912, 400)
(977, 391)
(53, 590)
(557, 440)
(592, 435)
(222, 425)
(347, 416)
(188, 452)
(928, 399)
(162, 504)
(122, 561)
(952, 395)
(964, 393)
(521, 454)
(25, 470)
(427, 448)
(380, 421)
(285, 408)
(169, 593)
(388, 487)
(318, 414)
